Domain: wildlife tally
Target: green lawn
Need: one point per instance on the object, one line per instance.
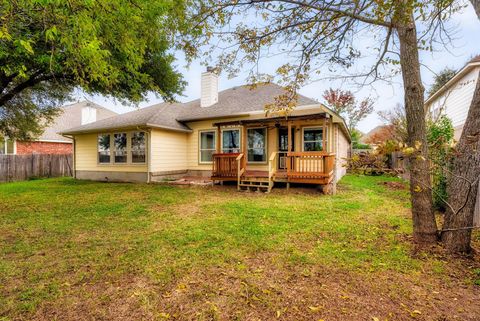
(135, 251)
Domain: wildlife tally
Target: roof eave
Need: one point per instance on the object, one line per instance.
(132, 127)
(455, 78)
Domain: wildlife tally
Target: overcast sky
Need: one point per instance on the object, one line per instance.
(386, 96)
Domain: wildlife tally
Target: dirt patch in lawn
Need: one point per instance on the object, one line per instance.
(393, 185)
(262, 288)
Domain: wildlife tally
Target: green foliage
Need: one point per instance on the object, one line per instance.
(440, 139)
(118, 48)
(356, 135)
(441, 79)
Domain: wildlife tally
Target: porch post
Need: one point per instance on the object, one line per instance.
(219, 138)
(324, 149)
(289, 160)
(244, 141)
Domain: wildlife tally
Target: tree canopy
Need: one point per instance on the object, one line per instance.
(441, 79)
(118, 48)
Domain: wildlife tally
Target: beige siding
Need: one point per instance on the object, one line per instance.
(342, 149)
(169, 150)
(86, 157)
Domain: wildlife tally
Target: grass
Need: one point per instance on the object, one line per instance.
(66, 241)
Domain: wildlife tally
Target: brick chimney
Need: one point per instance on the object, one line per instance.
(209, 88)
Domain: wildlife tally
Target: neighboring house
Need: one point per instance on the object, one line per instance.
(223, 135)
(50, 142)
(454, 98)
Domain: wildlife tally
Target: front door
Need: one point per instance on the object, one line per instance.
(283, 146)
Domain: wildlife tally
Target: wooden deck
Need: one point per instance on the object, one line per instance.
(302, 167)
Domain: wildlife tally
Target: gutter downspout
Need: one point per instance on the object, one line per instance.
(74, 165)
(149, 155)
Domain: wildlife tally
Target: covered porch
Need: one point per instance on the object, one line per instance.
(288, 150)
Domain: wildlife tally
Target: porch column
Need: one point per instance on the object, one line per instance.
(244, 141)
(324, 134)
(289, 160)
(218, 140)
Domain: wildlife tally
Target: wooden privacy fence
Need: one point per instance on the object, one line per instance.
(23, 167)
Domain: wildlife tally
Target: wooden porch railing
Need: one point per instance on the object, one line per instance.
(225, 166)
(310, 167)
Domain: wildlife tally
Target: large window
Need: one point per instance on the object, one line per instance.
(104, 148)
(313, 139)
(120, 145)
(138, 147)
(257, 142)
(207, 146)
(231, 141)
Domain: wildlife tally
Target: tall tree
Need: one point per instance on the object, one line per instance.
(463, 185)
(344, 103)
(319, 35)
(119, 48)
(441, 79)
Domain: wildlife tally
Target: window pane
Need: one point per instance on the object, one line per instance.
(313, 147)
(10, 147)
(256, 144)
(206, 155)
(207, 140)
(207, 146)
(104, 148)
(312, 140)
(138, 147)
(231, 141)
(120, 144)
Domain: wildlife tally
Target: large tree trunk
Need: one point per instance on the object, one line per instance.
(461, 194)
(424, 224)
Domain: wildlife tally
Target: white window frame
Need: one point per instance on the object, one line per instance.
(239, 138)
(324, 138)
(128, 149)
(265, 145)
(200, 132)
(5, 148)
(110, 147)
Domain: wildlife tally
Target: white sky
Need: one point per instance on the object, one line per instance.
(386, 96)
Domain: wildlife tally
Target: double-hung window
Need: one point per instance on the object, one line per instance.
(231, 141)
(137, 143)
(207, 146)
(313, 139)
(257, 144)
(104, 148)
(120, 147)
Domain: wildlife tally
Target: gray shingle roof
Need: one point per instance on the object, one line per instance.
(71, 116)
(231, 102)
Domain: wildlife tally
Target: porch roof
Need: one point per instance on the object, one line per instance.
(270, 120)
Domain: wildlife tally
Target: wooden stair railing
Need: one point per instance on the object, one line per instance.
(241, 167)
(272, 169)
(225, 166)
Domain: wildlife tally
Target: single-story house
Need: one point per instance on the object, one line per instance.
(50, 142)
(223, 135)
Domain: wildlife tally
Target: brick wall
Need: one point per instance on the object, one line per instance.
(24, 148)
